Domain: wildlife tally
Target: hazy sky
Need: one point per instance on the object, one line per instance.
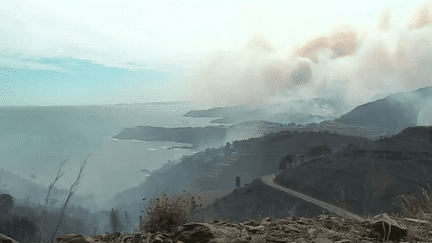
(56, 52)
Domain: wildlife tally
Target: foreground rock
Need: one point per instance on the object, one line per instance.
(5, 239)
(324, 228)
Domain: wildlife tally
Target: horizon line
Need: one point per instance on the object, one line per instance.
(144, 103)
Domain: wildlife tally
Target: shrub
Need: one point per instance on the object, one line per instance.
(165, 215)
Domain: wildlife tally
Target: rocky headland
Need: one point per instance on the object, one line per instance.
(202, 137)
(197, 136)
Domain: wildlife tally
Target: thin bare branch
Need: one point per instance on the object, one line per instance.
(46, 201)
(71, 192)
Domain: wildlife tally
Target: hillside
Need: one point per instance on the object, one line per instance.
(215, 169)
(366, 180)
(362, 180)
(393, 113)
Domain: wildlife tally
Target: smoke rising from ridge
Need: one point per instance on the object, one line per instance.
(349, 66)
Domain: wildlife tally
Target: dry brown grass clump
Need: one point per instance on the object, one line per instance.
(166, 215)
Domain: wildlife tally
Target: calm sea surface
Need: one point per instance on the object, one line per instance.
(34, 141)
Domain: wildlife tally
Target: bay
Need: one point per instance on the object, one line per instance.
(34, 141)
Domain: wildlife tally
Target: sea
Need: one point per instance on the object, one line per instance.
(35, 141)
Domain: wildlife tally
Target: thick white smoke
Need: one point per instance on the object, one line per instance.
(348, 66)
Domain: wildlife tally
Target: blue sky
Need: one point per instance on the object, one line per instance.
(214, 52)
(70, 81)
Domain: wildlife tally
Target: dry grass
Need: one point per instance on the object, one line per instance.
(166, 215)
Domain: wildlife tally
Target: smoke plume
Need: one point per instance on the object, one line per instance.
(347, 66)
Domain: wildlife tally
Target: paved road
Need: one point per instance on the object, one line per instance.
(269, 180)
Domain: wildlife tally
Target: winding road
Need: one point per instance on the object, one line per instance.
(269, 180)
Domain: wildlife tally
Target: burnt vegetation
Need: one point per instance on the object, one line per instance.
(20, 228)
(37, 223)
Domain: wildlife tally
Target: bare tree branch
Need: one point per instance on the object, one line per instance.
(46, 201)
(71, 192)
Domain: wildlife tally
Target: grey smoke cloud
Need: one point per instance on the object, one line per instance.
(348, 66)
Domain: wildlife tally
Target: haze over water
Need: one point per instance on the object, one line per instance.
(35, 141)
